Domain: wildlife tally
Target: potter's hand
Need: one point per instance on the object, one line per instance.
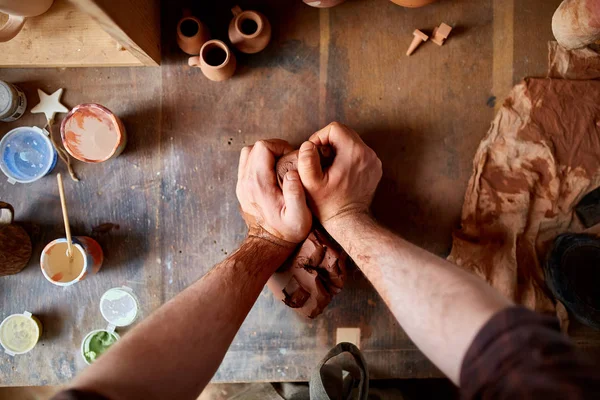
(348, 186)
(270, 212)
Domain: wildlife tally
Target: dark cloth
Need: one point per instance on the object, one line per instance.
(520, 354)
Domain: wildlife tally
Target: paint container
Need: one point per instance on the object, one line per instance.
(13, 102)
(26, 154)
(120, 308)
(62, 270)
(19, 333)
(92, 133)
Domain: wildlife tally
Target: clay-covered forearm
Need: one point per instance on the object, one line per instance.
(175, 352)
(440, 306)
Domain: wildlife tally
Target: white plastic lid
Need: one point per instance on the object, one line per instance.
(119, 307)
(21, 334)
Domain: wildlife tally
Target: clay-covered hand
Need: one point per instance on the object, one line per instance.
(348, 185)
(280, 215)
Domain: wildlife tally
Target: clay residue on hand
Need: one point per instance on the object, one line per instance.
(317, 271)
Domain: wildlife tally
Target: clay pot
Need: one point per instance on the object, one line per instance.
(323, 3)
(216, 61)
(191, 35)
(15, 244)
(576, 23)
(413, 3)
(249, 31)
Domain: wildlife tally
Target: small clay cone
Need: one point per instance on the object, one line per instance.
(191, 35)
(216, 61)
(419, 37)
(15, 244)
(249, 31)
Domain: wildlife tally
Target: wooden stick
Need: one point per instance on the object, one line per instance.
(63, 203)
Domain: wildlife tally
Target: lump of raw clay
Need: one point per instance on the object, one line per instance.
(317, 271)
(289, 162)
(312, 276)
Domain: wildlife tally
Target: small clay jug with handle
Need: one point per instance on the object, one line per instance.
(215, 60)
(15, 244)
(249, 31)
(191, 34)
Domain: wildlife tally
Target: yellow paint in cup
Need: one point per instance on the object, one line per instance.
(19, 333)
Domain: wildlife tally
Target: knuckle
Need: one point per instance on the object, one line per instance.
(261, 144)
(246, 150)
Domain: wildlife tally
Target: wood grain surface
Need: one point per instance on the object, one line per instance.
(67, 36)
(172, 195)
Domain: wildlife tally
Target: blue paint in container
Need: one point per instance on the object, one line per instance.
(26, 154)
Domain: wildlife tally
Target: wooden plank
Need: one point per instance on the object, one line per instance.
(503, 38)
(135, 24)
(173, 189)
(64, 37)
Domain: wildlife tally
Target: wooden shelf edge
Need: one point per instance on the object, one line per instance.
(135, 24)
(67, 36)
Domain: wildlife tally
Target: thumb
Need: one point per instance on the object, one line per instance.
(309, 165)
(294, 196)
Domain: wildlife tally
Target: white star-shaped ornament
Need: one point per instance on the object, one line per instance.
(49, 104)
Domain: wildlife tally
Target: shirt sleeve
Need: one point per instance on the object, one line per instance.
(77, 395)
(521, 354)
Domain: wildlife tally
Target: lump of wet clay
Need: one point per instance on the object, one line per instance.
(317, 270)
(312, 276)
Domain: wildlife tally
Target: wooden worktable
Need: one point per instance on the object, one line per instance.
(172, 191)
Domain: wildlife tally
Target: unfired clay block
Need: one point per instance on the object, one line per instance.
(440, 34)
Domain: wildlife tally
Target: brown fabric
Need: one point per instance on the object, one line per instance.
(575, 64)
(317, 271)
(539, 158)
(520, 354)
(78, 395)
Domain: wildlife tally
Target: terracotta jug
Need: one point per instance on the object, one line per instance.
(191, 34)
(413, 3)
(15, 244)
(249, 31)
(323, 3)
(18, 11)
(215, 60)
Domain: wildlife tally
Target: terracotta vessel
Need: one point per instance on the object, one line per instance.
(216, 61)
(413, 3)
(323, 3)
(15, 244)
(249, 31)
(18, 11)
(576, 23)
(191, 35)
